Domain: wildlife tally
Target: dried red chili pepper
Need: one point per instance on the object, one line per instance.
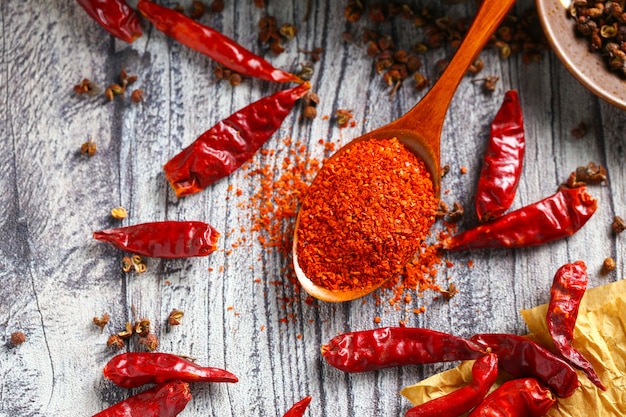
(226, 146)
(521, 357)
(116, 16)
(298, 408)
(552, 218)
(134, 369)
(165, 400)
(516, 398)
(167, 239)
(369, 350)
(502, 166)
(212, 43)
(568, 288)
(461, 401)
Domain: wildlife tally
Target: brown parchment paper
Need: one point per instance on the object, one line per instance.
(600, 335)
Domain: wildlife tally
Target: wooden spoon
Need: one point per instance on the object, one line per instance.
(420, 128)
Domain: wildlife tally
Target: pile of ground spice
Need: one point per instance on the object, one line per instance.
(365, 216)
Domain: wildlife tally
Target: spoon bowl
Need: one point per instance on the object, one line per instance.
(420, 128)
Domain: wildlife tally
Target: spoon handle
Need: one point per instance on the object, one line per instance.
(428, 115)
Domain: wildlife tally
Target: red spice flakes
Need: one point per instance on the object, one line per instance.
(377, 319)
(463, 170)
(359, 227)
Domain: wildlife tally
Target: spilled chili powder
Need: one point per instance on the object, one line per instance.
(365, 216)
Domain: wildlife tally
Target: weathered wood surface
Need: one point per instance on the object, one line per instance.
(54, 277)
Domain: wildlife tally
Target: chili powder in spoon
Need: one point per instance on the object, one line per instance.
(365, 216)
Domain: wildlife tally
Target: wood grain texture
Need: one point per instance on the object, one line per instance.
(54, 277)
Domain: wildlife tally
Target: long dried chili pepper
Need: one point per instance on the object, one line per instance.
(516, 398)
(461, 401)
(134, 369)
(521, 357)
(552, 218)
(226, 146)
(116, 16)
(369, 350)
(568, 288)
(167, 239)
(502, 165)
(165, 400)
(298, 408)
(212, 43)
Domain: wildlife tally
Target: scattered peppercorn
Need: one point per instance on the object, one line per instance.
(17, 338)
(272, 35)
(217, 6)
(119, 213)
(136, 96)
(197, 9)
(450, 292)
(343, 117)
(127, 332)
(457, 212)
(489, 83)
(589, 174)
(608, 265)
(142, 327)
(115, 342)
(88, 148)
(579, 131)
(175, 317)
(150, 342)
(88, 87)
(101, 322)
(310, 101)
(618, 225)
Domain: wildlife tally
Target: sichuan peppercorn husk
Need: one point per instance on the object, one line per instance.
(365, 216)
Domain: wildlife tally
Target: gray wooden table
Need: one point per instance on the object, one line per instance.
(54, 278)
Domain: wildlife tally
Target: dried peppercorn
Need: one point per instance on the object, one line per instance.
(134, 369)
(298, 408)
(370, 350)
(352, 236)
(212, 43)
(226, 146)
(608, 265)
(589, 174)
(166, 239)
(165, 400)
(17, 338)
(568, 287)
(502, 165)
(552, 218)
(516, 398)
(115, 16)
(521, 357)
(461, 401)
(618, 225)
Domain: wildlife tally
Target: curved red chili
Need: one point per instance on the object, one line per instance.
(502, 166)
(298, 408)
(516, 398)
(461, 401)
(134, 369)
(226, 146)
(369, 350)
(552, 218)
(521, 357)
(166, 400)
(116, 16)
(212, 43)
(167, 239)
(568, 287)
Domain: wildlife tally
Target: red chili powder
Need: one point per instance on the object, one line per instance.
(365, 216)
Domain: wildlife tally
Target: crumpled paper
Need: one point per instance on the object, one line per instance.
(600, 335)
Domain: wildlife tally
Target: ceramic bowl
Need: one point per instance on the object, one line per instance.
(573, 51)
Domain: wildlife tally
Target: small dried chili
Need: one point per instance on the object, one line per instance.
(552, 218)
(502, 166)
(461, 401)
(166, 239)
(226, 146)
(568, 288)
(116, 16)
(212, 43)
(134, 369)
(165, 400)
(369, 350)
(521, 357)
(365, 216)
(298, 408)
(516, 398)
